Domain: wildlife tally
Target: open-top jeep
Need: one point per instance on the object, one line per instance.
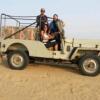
(84, 53)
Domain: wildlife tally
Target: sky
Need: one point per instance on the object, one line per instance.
(81, 17)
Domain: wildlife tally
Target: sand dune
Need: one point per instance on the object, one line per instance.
(45, 82)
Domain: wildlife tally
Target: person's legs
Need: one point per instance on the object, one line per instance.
(56, 47)
(52, 44)
(58, 41)
(50, 48)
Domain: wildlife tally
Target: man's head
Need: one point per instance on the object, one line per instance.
(42, 11)
(55, 17)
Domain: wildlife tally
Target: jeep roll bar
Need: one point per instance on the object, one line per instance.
(18, 20)
(19, 31)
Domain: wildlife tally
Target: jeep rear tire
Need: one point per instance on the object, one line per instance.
(89, 65)
(17, 60)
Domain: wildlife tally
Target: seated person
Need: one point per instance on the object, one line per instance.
(47, 39)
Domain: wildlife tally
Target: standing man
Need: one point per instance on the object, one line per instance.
(41, 19)
(56, 28)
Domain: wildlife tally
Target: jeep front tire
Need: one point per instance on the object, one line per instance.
(89, 65)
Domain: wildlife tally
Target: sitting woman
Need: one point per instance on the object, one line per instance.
(47, 39)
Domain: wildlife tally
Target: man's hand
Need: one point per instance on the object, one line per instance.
(51, 36)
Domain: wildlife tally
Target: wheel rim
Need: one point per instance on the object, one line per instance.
(17, 60)
(90, 65)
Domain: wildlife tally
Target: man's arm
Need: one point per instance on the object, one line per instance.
(37, 20)
(60, 26)
(45, 20)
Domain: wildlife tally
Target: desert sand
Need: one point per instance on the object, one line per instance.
(46, 82)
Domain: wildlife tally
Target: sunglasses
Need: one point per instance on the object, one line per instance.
(42, 11)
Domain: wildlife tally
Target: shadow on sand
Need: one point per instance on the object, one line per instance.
(68, 67)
